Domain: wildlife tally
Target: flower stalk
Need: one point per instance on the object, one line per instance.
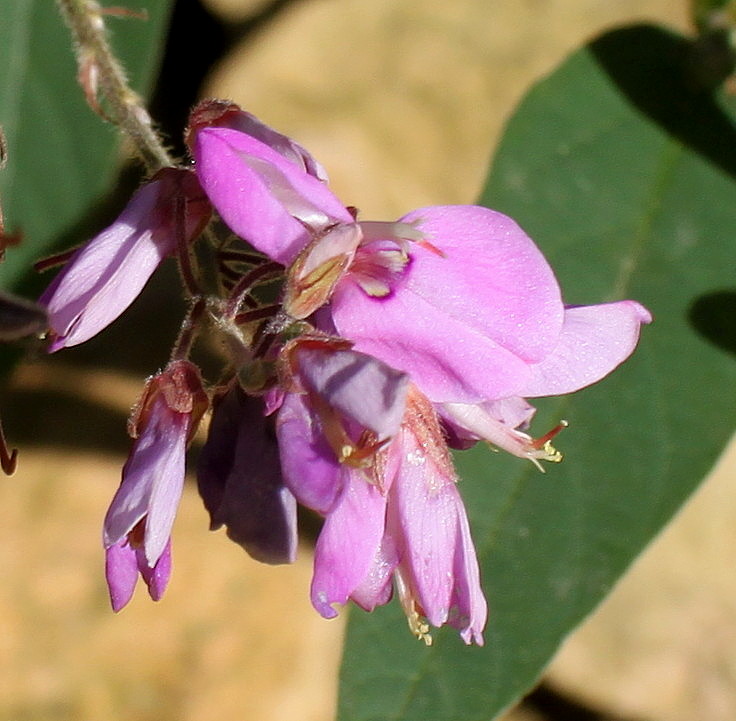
(100, 74)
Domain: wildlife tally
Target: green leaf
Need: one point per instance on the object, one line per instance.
(624, 174)
(61, 156)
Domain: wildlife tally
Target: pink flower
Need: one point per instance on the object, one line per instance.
(106, 275)
(138, 524)
(343, 407)
(409, 528)
(437, 573)
(493, 294)
(363, 447)
(440, 325)
(399, 291)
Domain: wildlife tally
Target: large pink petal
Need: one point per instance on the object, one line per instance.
(263, 197)
(464, 324)
(348, 543)
(448, 360)
(594, 340)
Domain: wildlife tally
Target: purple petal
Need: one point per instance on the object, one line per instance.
(156, 578)
(423, 519)
(250, 125)
(239, 479)
(358, 386)
(376, 588)
(594, 340)
(468, 606)
(152, 481)
(310, 468)
(121, 572)
(464, 325)
(107, 274)
(348, 543)
(263, 197)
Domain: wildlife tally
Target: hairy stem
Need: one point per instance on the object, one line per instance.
(100, 74)
(190, 327)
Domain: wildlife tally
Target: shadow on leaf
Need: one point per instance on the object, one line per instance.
(713, 316)
(657, 73)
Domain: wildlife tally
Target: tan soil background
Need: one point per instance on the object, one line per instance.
(403, 101)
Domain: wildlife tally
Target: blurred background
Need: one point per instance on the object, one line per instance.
(403, 102)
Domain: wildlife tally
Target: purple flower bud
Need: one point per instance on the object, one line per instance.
(123, 563)
(266, 188)
(141, 514)
(106, 275)
(239, 479)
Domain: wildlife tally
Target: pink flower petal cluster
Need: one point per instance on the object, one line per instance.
(455, 306)
(391, 342)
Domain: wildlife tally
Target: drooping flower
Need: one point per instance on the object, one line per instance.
(407, 528)
(358, 400)
(138, 524)
(106, 274)
(437, 571)
(240, 481)
(363, 447)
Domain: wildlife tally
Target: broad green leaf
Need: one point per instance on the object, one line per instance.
(61, 156)
(624, 174)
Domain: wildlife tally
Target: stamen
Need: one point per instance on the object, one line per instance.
(424, 243)
(544, 441)
(417, 623)
(542, 448)
(362, 453)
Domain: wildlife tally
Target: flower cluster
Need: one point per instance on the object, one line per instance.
(358, 354)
